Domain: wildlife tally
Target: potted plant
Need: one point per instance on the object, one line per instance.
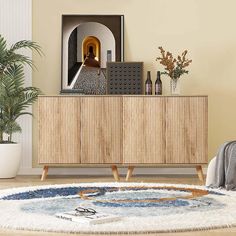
(174, 68)
(15, 98)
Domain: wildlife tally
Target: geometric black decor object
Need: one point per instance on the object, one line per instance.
(125, 77)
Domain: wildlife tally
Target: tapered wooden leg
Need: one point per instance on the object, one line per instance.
(115, 173)
(200, 173)
(129, 172)
(44, 174)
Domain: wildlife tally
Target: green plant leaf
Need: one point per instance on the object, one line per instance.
(26, 44)
(15, 98)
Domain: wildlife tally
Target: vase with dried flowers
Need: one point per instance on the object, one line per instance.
(174, 68)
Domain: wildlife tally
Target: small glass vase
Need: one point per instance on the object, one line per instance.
(174, 86)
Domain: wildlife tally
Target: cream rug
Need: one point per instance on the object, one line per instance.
(143, 208)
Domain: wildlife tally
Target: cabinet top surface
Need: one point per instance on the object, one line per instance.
(113, 95)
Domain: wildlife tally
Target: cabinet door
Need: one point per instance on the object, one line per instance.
(101, 130)
(59, 130)
(186, 130)
(143, 130)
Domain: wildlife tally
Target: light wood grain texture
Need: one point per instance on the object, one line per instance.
(115, 173)
(200, 173)
(101, 130)
(186, 130)
(44, 174)
(123, 130)
(144, 130)
(129, 173)
(59, 130)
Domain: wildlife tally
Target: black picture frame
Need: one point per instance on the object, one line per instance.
(114, 23)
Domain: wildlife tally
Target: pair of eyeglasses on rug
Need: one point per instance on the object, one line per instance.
(85, 211)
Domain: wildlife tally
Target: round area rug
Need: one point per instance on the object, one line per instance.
(142, 207)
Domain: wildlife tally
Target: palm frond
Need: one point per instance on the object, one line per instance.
(13, 80)
(26, 44)
(12, 127)
(15, 98)
(3, 51)
(23, 113)
(10, 57)
(3, 48)
(14, 58)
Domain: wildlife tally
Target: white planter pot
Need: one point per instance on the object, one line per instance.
(10, 156)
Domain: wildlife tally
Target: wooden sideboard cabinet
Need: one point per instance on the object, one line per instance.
(122, 130)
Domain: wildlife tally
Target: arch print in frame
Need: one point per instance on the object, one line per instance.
(88, 43)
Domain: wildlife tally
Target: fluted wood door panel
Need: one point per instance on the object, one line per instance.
(144, 130)
(101, 130)
(186, 130)
(59, 130)
(123, 130)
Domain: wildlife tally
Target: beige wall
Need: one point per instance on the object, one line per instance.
(205, 27)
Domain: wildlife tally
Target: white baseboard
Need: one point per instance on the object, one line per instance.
(107, 171)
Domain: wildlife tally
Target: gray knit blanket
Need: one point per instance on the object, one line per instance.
(225, 173)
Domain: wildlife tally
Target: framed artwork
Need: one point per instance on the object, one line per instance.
(88, 43)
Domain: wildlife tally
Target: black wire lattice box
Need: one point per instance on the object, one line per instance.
(125, 77)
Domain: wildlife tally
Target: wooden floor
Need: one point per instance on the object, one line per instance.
(35, 180)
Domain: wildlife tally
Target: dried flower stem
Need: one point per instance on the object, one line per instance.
(174, 67)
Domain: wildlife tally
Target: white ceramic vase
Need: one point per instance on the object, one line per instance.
(10, 156)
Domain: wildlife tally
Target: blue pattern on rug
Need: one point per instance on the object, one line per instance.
(45, 193)
(106, 198)
(142, 207)
(70, 191)
(53, 206)
(134, 202)
(42, 193)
